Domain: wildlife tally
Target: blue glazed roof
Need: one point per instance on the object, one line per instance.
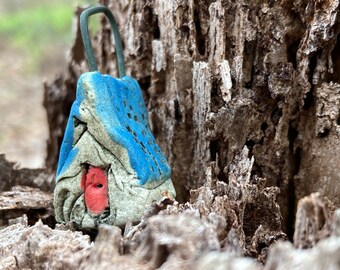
(118, 104)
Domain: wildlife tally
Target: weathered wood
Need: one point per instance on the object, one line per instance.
(25, 195)
(324, 255)
(186, 236)
(267, 75)
(243, 98)
(40, 247)
(11, 176)
(24, 201)
(311, 223)
(212, 230)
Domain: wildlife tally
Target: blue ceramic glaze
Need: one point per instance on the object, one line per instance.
(119, 106)
(67, 152)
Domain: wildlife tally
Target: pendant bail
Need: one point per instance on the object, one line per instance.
(87, 41)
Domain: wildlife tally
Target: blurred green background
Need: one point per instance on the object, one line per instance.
(35, 36)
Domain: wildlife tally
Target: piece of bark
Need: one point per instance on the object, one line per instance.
(40, 247)
(319, 170)
(182, 236)
(336, 223)
(107, 250)
(11, 176)
(316, 231)
(245, 198)
(226, 261)
(324, 255)
(9, 263)
(26, 205)
(25, 198)
(25, 195)
(312, 222)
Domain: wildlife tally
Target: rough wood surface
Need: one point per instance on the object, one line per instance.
(23, 201)
(243, 98)
(219, 75)
(10, 176)
(25, 195)
(209, 232)
(40, 247)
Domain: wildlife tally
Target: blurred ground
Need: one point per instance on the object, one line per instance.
(23, 128)
(34, 38)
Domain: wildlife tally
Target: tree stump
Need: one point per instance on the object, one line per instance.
(243, 98)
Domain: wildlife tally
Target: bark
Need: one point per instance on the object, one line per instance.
(243, 98)
(25, 195)
(218, 76)
(215, 229)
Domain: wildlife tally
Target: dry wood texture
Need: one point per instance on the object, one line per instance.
(243, 98)
(215, 229)
(221, 75)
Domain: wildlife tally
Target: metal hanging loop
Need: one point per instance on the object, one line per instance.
(87, 41)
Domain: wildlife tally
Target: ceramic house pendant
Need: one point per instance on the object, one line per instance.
(110, 166)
